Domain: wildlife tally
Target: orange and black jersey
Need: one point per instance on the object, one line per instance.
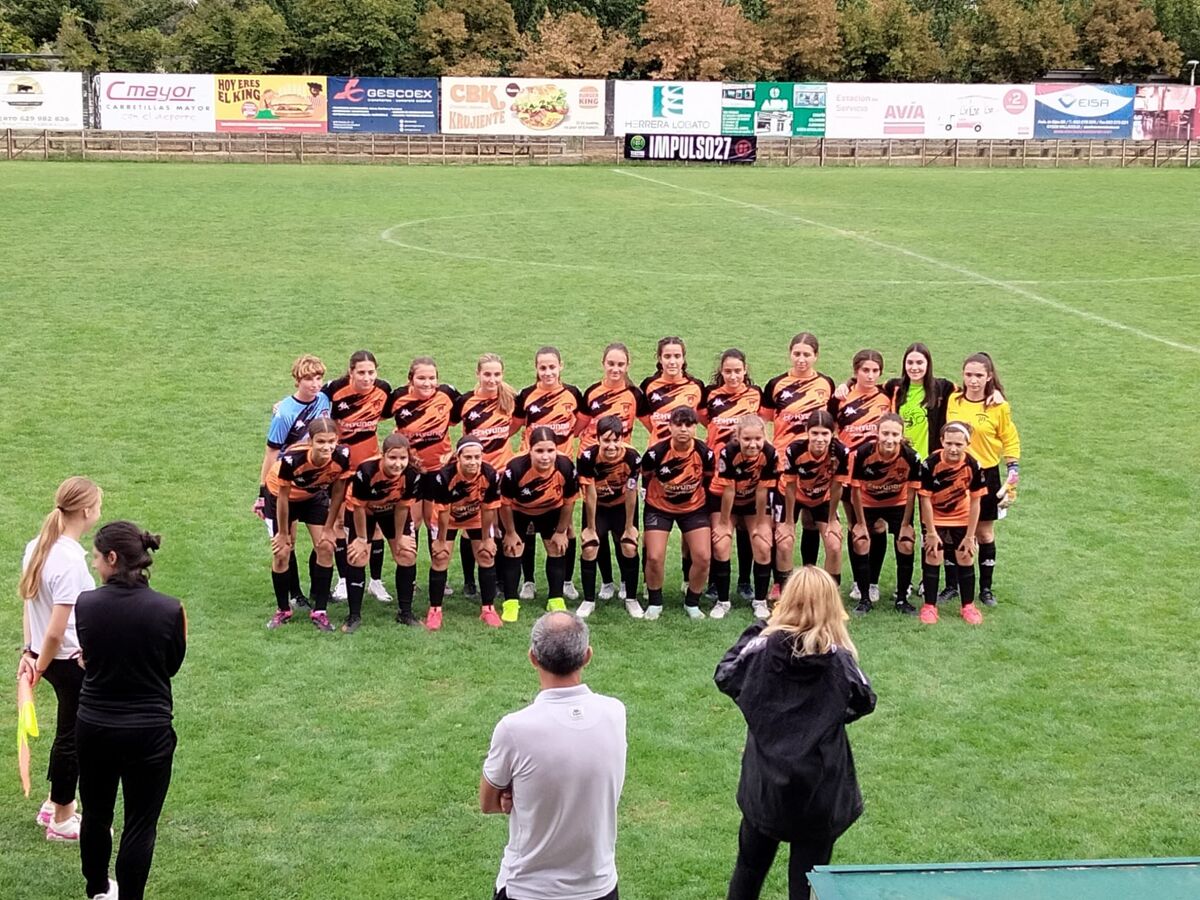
(663, 396)
(950, 487)
(425, 422)
(676, 480)
(721, 409)
(809, 477)
(611, 479)
(858, 415)
(885, 482)
(465, 498)
(746, 475)
(627, 403)
(531, 492)
(556, 407)
(483, 417)
(372, 490)
(357, 414)
(789, 401)
(306, 480)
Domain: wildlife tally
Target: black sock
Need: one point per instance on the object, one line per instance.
(691, 598)
(320, 577)
(467, 557)
(904, 573)
(529, 556)
(406, 577)
(487, 585)
(279, 581)
(966, 584)
(762, 580)
(810, 546)
(836, 576)
(745, 556)
(781, 577)
(629, 574)
(437, 587)
(510, 576)
(860, 568)
(929, 579)
(951, 571)
(377, 560)
(339, 557)
(294, 588)
(604, 560)
(569, 559)
(654, 596)
(356, 580)
(987, 564)
(587, 571)
(555, 576)
(877, 553)
(721, 572)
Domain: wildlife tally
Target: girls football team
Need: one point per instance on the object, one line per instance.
(852, 463)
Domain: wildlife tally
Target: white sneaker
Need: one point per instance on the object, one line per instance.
(376, 589)
(621, 590)
(45, 815)
(447, 591)
(110, 894)
(652, 613)
(67, 830)
(528, 591)
(761, 610)
(873, 591)
(569, 592)
(586, 608)
(339, 590)
(607, 590)
(719, 609)
(634, 608)
(694, 612)
(855, 593)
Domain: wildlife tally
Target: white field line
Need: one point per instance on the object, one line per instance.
(973, 276)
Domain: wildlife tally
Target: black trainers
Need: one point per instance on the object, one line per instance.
(947, 594)
(710, 592)
(405, 617)
(351, 624)
(300, 602)
(987, 598)
(903, 606)
(470, 591)
(745, 592)
(864, 607)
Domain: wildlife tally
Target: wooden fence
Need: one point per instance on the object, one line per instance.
(479, 150)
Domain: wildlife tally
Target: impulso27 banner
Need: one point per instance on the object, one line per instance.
(691, 148)
(667, 107)
(153, 102)
(523, 106)
(383, 105)
(285, 104)
(43, 100)
(1102, 111)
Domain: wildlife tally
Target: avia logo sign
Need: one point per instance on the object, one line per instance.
(667, 101)
(1086, 101)
(904, 118)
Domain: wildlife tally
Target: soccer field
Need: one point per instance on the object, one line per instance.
(151, 314)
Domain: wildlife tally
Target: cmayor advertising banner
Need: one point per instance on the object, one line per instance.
(1103, 111)
(522, 106)
(284, 104)
(966, 111)
(383, 105)
(691, 148)
(44, 100)
(137, 102)
(668, 107)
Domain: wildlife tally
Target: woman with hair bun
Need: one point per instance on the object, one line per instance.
(133, 641)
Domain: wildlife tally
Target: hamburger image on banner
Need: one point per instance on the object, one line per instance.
(522, 106)
(288, 104)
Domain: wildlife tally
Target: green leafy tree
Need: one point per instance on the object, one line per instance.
(352, 37)
(701, 40)
(1179, 21)
(1010, 41)
(466, 37)
(572, 45)
(230, 36)
(625, 15)
(74, 45)
(1121, 39)
(888, 40)
(801, 40)
(41, 20)
(12, 38)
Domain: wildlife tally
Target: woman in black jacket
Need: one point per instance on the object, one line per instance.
(796, 680)
(133, 641)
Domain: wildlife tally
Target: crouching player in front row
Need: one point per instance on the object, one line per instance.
(383, 494)
(951, 487)
(466, 496)
(307, 484)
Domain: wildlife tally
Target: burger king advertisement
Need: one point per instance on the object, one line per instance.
(285, 104)
(522, 106)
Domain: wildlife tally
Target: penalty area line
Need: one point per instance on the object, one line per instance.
(976, 277)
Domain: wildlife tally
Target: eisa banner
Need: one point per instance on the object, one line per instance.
(691, 148)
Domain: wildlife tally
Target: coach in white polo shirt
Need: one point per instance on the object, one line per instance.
(556, 768)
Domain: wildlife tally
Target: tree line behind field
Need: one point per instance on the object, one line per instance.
(709, 40)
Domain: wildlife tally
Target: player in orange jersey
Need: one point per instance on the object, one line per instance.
(814, 470)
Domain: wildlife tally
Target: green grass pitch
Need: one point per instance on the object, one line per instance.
(151, 314)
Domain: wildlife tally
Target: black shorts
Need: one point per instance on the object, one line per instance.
(313, 511)
(951, 536)
(472, 534)
(385, 520)
(713, 506)
(989, 503)
(543, 524)
(893, 515)
(660, 520)
(820, 512)
(611, 519)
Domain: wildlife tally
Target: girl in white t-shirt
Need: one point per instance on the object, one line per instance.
(53, 574)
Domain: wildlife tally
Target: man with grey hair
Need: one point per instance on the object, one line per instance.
(556, 768)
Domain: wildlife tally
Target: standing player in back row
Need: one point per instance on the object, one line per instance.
(357, 400)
